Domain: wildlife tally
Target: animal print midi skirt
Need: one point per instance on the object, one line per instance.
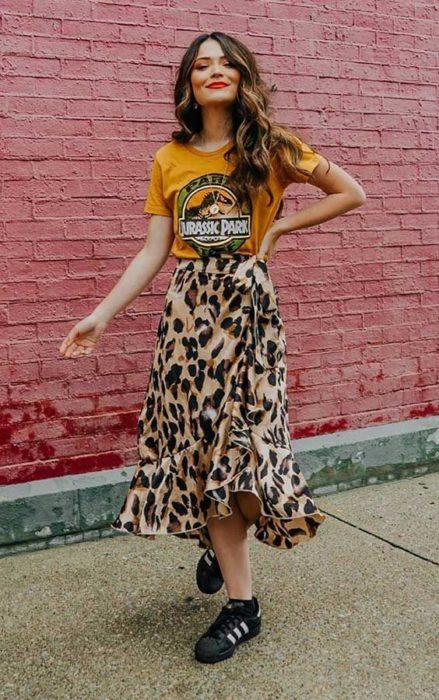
(215, 413)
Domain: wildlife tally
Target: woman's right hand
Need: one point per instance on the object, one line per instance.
(83, 337)
(267, 248)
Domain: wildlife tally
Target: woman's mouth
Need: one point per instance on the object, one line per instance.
(214, 86)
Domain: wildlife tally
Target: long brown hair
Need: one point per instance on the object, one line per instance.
(260, 142)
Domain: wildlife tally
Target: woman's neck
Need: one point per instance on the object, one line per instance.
(204, 143)
(216, 130)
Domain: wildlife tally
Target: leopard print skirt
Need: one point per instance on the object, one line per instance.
(215, 413)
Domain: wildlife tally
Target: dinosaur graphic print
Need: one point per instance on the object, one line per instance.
(210, 219)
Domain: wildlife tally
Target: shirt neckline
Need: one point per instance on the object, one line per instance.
(208, 154)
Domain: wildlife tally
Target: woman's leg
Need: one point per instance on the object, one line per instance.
(230, 543)
(249, 506)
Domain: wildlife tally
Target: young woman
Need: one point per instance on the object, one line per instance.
(214, 447)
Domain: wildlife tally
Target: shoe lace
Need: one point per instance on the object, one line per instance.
(225, 622)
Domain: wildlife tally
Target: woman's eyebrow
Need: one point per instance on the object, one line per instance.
(208, 58)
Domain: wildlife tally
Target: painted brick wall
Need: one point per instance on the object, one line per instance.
(87, 99)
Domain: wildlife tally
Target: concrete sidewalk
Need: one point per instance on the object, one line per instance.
(351, 614)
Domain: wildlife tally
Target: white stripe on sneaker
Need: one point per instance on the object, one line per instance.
(208, 557)
(245, 627)
(238, 632)
(231, 637)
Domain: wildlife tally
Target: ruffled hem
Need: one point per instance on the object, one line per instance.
(177, 495)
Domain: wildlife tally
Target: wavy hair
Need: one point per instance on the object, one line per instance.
(260, 142)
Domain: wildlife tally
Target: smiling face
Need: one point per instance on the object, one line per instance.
(212, 68)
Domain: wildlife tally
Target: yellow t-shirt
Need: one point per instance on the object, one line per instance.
(191, 186)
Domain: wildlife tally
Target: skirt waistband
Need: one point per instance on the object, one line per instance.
(221, 263)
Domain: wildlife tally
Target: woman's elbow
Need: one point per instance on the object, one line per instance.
(357, 197)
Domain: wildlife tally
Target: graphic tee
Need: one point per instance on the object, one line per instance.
(192, 187)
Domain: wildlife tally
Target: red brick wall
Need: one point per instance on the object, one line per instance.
(87, 99)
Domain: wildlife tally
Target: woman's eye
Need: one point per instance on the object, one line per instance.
(224, 64)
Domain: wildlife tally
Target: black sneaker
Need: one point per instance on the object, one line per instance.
(233, 626)
(209, 576)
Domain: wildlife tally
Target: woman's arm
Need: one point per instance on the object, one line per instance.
(141, 270)
(343, 194)
(84, 335)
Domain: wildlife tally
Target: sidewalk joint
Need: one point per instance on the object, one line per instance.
(383, 539)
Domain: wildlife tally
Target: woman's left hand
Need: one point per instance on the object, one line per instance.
(268, 245)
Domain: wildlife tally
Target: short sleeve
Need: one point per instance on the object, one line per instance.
(310, 158)
(155, 202)
(308, 161)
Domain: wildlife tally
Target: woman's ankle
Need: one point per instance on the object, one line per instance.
(248, 603)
